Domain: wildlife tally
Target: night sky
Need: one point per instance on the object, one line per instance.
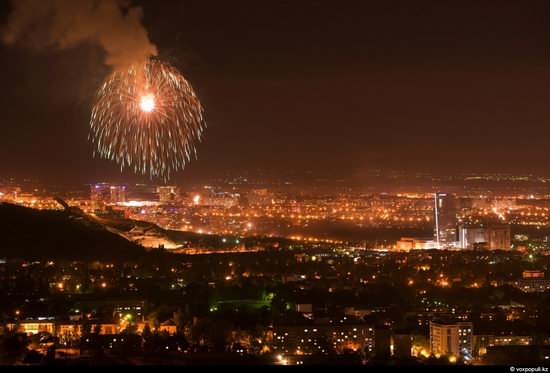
(339, 86)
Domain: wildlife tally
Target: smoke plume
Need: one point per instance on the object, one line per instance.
(114, 25)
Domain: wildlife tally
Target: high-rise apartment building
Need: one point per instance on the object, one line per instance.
(451, 338)
(446, 219)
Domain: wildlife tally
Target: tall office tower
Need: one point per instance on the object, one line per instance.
(446, 219)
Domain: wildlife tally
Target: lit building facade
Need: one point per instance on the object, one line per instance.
(102, 194)
(491, 238)
(319, 339)
(167, 194)
(533, 282)
(451, 338)
(446, 219)
(408, 244)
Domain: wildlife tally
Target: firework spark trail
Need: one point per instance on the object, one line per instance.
(147, 117)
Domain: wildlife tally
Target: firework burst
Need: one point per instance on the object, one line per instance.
(147, 117)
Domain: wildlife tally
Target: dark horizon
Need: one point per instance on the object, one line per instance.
(327, 87)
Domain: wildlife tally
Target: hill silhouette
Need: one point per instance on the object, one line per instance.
(28, 233)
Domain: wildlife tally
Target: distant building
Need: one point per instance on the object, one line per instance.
(445, 218)
(511, 355)
(382, 342)
(169, 327)
(118, 194)
(32, 326)
(9, 194)
(402, 344)
(115, 306)
(451, 338)
(528, 274)
(408, 244)
(225, 200)
(321, 339)
(303, 308)
(360, 313)
(167, 194)
(533, 282)
(480, 237)
(26, 198)
(259, 197)
(512, 340)
(103, 194)
(76, 329)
